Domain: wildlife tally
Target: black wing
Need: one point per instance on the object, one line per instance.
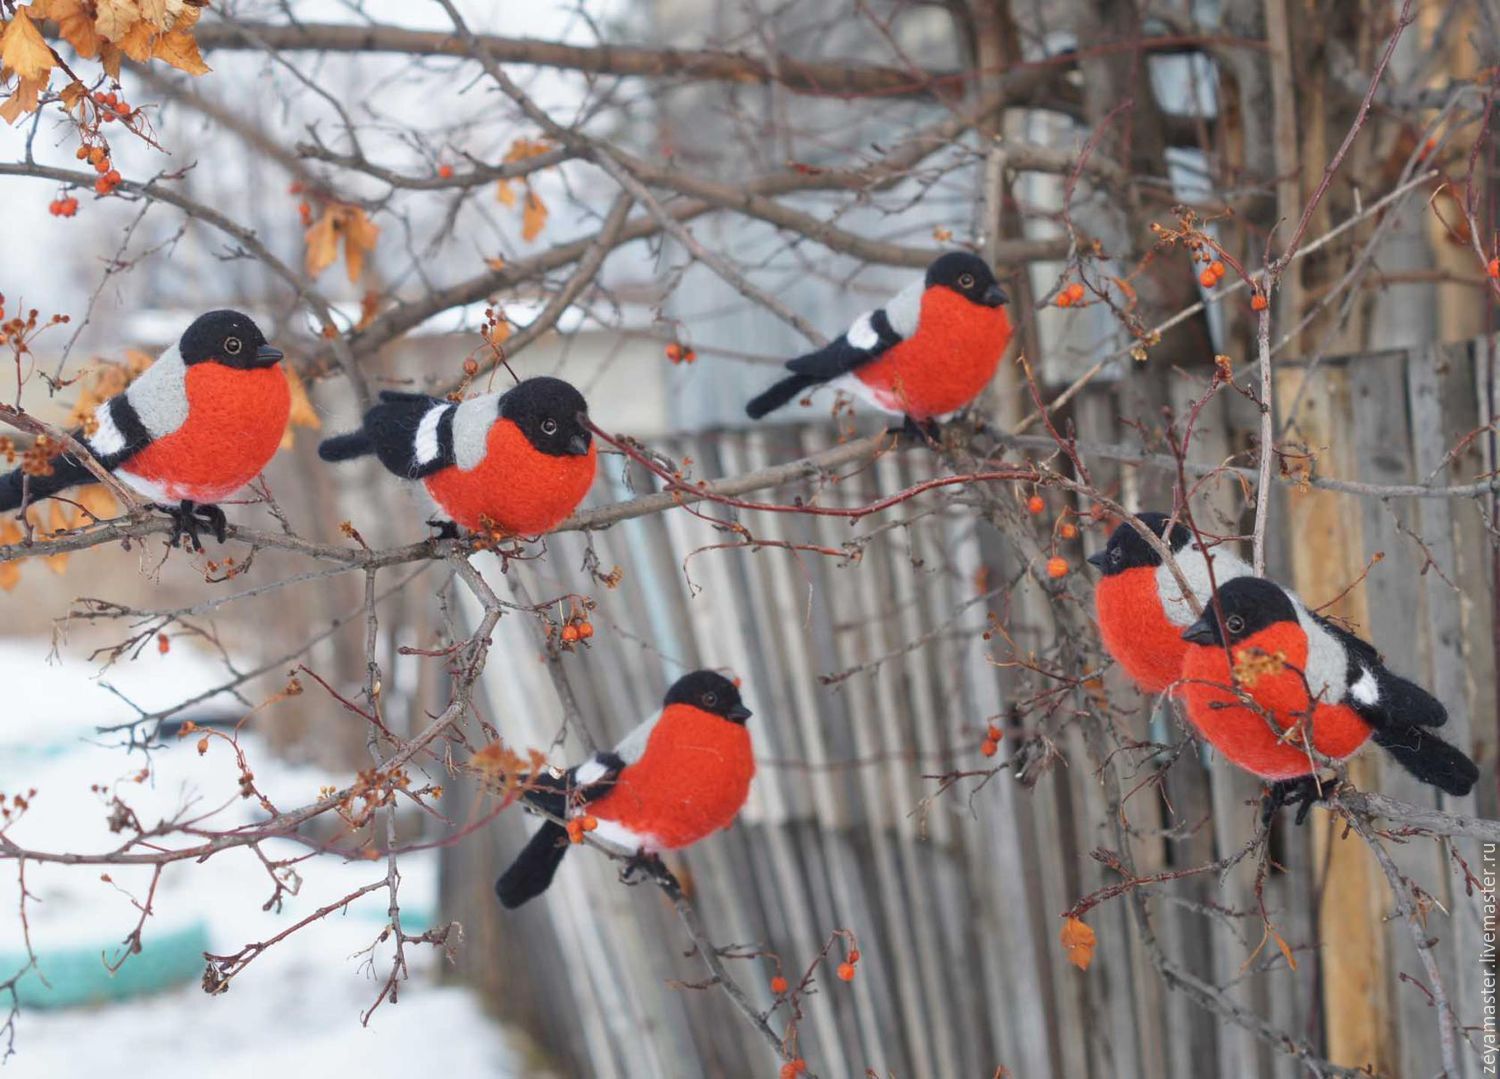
(872, 336)
(1398, 701)
(393, 426)
(68, 470)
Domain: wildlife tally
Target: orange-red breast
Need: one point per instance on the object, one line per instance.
(925, 354)
(198, 425)
(1139, 604)
(520, 461)
(677, 778)
(1308, 685)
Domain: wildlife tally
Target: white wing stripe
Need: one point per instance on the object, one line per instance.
(107, 438)
(1366, 690)
(427, 434)
(862, 334)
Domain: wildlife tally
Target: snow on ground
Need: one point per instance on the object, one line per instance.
(296, 1009)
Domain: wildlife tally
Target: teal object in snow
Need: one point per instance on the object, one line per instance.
(78, 978)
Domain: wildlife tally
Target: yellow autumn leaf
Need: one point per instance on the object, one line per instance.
(75, 22)
(24, 100)
(505, 195)
(302, 413)
(116, 18)
(24, 50)
(155, 12)
(97, 501)
(180, 49)
(139, 42)
(1078, 943)
(533, 217)
(360, 236)
(322, 243)
(73, 94)
(10, 572)
(110, 58)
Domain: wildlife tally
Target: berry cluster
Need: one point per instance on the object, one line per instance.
(63, 206)
(681, 353)
(1212, 274)
(991, 744)
(578, 826)
(1070, 295)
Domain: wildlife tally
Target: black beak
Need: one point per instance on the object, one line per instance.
(994, 296)
(1201, 631)
(1098, 560)
(265, 356)
(578, 445)
(739, 713)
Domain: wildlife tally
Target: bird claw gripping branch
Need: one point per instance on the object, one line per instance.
(189, 518)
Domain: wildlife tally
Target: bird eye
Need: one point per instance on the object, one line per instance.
(710, 698)
(232, 346)
(966, 280)
(549, 427)
(1235, 624)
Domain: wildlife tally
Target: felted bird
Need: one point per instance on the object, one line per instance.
(925, 354)
(518, 461)
(1139, 605)
(675, 779)
(198, 425)
(1321, 686)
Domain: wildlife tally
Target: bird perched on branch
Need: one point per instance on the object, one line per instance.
(198, 425)
(925, 354)
(1267, 682)
(1139, 604)
(517, 462)
(678, 777)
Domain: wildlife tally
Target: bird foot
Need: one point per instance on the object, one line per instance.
(647, 866)
(446, 530)
(1303, 792)
(189, 519)
(926, 432)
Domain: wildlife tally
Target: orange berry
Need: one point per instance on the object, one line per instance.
(1057, 566)
(1035, 504)
(1075, 290)
(1207, 279)
(570, 633)
(81, 153)
(1216, 268)
(101, 186)
(1494, 267)
(674, 352)
(778, 985)
(585, 630)
(1068, 530)
(793, 1068)
(846, 972)
(689, 356)
(113, 176)
(575, 830)
(445, 171)
(1258, 301)
(588, 822)
(993, 733)
(989, 747)
(854, 955)
(1064, 299)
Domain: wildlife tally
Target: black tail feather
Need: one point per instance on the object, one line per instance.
(1408, 702)
(346, 447)
(66, 472)
(780, 394)
(1429, 758)
(532, 871)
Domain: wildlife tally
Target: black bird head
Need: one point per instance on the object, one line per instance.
(711, 692)
(550, 413)
(1127, 550)
(1249, 605)
(230, 338)
(969, 276)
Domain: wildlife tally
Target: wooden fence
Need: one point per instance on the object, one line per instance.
(956, 902)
